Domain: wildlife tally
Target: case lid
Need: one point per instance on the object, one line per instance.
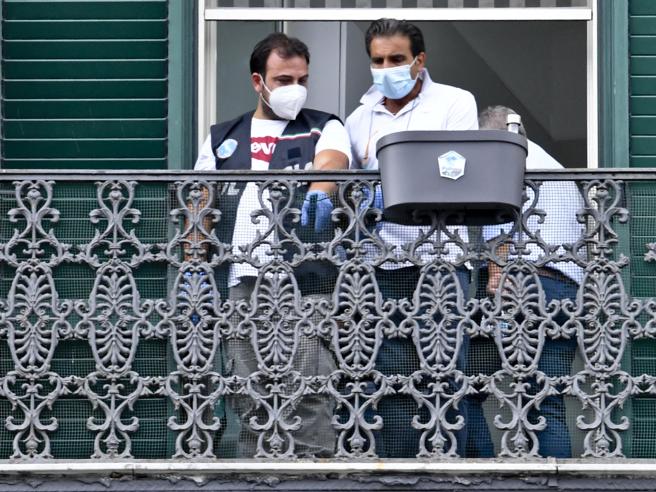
(452, 136)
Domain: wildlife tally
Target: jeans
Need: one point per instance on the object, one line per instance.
(556, 360)
(397, 438)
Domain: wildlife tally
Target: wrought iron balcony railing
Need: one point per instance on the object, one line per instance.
(164, 315)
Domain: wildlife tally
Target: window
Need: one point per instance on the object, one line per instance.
(538, 60)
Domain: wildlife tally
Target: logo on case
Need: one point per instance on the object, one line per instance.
(452, 165)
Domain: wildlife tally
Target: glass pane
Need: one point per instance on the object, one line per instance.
(536, 67)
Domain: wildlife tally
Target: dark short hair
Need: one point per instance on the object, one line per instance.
(391, 27)
(496, 117)
(283, 45)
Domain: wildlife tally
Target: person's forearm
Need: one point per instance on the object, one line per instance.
(327, 160)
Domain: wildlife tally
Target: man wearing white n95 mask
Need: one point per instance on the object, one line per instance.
(403, 97)
(279, 134)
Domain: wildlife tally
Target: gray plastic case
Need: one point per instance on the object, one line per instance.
(488, 192)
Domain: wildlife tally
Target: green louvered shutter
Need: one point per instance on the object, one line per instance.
(641, 439)
(642, 30)
(84, 84)
(642, 133)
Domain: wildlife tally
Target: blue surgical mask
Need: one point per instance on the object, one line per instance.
(394, 82)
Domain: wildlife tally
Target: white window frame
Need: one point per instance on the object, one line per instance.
(207, 18)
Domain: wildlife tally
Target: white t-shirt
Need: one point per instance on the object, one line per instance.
(437, 107)
(265, 134)
(561, 200)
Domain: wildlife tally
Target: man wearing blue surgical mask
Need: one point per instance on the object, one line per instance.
(403, 97)
(279, 134)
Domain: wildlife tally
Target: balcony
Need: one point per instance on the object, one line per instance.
(124, 337)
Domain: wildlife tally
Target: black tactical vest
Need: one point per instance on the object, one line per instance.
(290, 153)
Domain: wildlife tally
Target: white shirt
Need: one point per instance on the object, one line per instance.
(436, 107)
(560, 200)
(264, 136)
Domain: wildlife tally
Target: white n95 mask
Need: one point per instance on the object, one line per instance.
(286, 101)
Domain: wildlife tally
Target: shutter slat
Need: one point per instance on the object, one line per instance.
(642, 125)
(642, 25)
(642, 105)
(86, 10)
(643, 65)
(642, 153)
(642, 7)
(73, 69)
(643, 145)
(81, 50)
(32, 149)
(75, 89)
(123, 128)
(642, 161)
(643, 45)
(85, 163)
(85, 30)
(643, 85)
(148, 108)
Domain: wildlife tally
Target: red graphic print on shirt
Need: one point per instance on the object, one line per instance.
(262, 148)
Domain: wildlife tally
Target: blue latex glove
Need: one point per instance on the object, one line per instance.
(378, 197)
(194, 317)
(369, 203)
(318, 202)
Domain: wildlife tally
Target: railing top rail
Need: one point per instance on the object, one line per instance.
(628, 174)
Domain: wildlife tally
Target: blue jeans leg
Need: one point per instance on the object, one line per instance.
(484, 359)
(555, 361)
(479, 440)
(397, 438)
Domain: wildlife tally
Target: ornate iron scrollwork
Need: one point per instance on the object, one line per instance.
(282, 319)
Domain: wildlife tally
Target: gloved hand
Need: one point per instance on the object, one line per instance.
(319, 203)
(371, 203)
(378, 197)
(377, 202)
(188, 287)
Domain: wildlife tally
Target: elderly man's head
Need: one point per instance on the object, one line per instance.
(496, 117)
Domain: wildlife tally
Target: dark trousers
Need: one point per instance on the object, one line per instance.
(397, 438)
(556, 360)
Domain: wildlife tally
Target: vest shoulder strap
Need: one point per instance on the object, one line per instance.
(220, 131)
